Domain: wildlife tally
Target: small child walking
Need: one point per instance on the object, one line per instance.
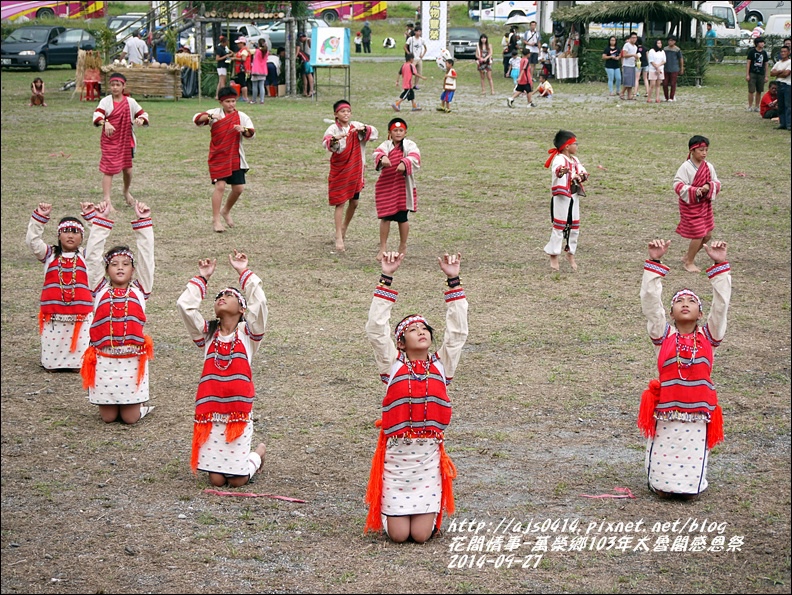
(115, 365)
(449, 86)
(696, 184)
(568, 175)
(406, 77)
(346, 140)
(118, 114)
(66, 309)
(411, 479)
(37, 92)
(679, 412)
(227, 163)
(223, 427)
(524, 81)
(397, 160)
(514, 67)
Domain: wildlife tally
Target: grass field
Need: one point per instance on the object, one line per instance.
(546, 393)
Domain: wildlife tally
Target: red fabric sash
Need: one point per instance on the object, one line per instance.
(346, 170)
(390, 191)
(69, 292)
(117, 149)
(224, 147)
(703, 176)
(124, 320)
(410, 402)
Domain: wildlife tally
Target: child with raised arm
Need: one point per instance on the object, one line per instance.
(115, 365)
(696, 184)
(227, 164)
(568, 175)
(223, 427)
(411, 478)
(346, 140)
(397, 160)
(66, 309)
(679, 412)
(118, 114)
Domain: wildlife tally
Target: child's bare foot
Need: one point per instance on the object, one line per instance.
(554, 262)
(217, 225)
(340, 245)
(227, 216)
(402, 248)
(130, 200)
(571, 258)
(690, 267)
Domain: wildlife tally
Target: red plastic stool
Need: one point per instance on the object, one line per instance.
(237, 88)
(90, 91)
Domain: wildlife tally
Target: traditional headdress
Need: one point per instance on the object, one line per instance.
(71, 224)
(402, 326)
(119, 252)
(682, 292)
(237, 293)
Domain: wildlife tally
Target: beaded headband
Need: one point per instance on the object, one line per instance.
(110, 256)
(67, 225)
(237, 293)
(402, 326)
(682, 292)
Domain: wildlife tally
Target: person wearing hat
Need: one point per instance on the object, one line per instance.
(679, 412)
(544, 60)
(66, 309)
(242, 61)
(118, 114)
(674, 66)
(221, 57)
(346, 140)
(411, 480)
(227, 163)
(395, 194)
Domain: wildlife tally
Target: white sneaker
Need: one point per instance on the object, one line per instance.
(145, 410)
(510, 102)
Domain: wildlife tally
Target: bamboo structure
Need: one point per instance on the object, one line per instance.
(148, 81)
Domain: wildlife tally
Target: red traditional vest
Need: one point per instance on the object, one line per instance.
(118, 320)
(66, 288)
(416, 404)
(685, 378)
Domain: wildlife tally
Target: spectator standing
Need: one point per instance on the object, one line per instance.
(710, 40)
(756, 73)
(782, 70)
(221, 55)
(417, 47)
(612, 66)
(135, 49)
(366, 34)
(629, 53)
(674, 66)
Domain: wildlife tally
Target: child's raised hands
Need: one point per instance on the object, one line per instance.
(450, 264)
(390, 262)
(239, 261)
(716, 251)
(103, 208)
(206, 267)
(142, 210)
(44, 208)
(658, 248)
(86, 207)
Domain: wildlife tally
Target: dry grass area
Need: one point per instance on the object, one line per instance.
(546, 394)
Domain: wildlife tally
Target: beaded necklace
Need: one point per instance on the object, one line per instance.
(115, 292)
(680, 364)
(67, 287)
(421, 378)
(216, 343)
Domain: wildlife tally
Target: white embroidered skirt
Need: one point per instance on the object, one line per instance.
(218, 456)
(676, 459)
(411, 482)
(56, 338)
(116, 382)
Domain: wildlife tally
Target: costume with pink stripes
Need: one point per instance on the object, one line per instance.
(347, 161)
(395, 190)
(696, 218)
(118, 149)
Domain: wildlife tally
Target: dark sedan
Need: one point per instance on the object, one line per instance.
(462, 41)
(38, 47)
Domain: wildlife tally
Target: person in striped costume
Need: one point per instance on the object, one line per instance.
(66, 309)
(397, 160)
(696, 187)
(679, 412)
(411, 479)
(115, 365)
(118, 114)
(346, 140)
(223, 427)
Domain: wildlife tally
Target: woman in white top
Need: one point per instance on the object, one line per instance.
(657, 60)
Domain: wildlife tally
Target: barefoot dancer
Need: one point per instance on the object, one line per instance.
(223, 428)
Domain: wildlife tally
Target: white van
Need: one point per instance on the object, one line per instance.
(729, 28)
(779, 25)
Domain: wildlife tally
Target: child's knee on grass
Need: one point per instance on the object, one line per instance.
(109, 413)
(218, 480)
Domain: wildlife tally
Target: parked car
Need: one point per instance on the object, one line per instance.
(37, 47)
(126, 24)
(277, 31)
(462, 41)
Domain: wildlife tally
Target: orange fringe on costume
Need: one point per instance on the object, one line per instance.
(202, 428)
(45, 318)
(448, 473)
(88, 369)
(647, 423)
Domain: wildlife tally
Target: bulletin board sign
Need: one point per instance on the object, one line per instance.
(330, 46)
